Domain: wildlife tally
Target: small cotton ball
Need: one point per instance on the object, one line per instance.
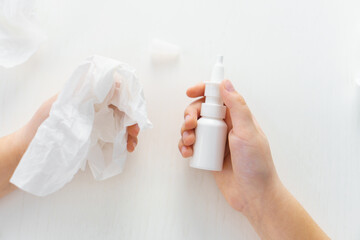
(163, 52)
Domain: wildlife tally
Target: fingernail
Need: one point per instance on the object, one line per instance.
(228, 86)
(183, 149)
(134, 144)
(187, 118)
(185, 134)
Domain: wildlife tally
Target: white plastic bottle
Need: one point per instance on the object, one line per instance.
(211, 130)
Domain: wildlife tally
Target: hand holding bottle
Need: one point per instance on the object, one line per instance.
(249, 181)
(248, 166)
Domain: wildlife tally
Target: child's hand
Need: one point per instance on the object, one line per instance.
(248, 173)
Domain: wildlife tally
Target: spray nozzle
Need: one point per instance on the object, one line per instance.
(217, 74)
(213, 106)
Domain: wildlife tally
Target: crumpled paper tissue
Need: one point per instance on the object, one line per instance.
(20, 36)
(87, 124)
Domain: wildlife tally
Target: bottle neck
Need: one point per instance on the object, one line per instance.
(213, 100)
(210, 110)
(212, 117)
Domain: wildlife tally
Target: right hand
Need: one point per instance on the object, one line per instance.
(248, 173)
(249, 180)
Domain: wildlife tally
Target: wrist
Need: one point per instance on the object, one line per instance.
(11, 151)
(278, 215)
(18, 143)
(271, 197)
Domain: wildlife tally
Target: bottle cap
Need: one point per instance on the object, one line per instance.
(213, 105)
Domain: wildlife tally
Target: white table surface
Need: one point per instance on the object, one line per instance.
(294, 62)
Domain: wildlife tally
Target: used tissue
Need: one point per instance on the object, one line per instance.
(20, 36)
(87, 124)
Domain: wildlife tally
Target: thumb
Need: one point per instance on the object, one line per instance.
(240, 113)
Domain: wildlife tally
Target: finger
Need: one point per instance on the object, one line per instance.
(188, 124)
(228, 120)
(239, 111)
(196, 91)
(131, 143)
(52, 99)
(133, 130)
(257, 125)
(194, 108)
(43, 112)
(188, 137)
(185, 150)
(191, 114)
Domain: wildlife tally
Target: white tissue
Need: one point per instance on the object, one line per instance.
(20, 36)
(162, 52)
(87, 123)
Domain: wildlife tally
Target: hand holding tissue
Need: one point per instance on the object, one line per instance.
(86, 124)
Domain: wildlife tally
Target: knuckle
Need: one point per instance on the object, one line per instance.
(180, 144)
(240, 99)
(136, 129)
(188, 110)
(182, 129)
(187, 141)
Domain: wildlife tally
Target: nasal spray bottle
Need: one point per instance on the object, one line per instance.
(211, 130)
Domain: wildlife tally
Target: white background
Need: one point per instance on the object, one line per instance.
(295, 63)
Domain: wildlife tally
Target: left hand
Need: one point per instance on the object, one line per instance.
(27, 133)
(13, 146)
